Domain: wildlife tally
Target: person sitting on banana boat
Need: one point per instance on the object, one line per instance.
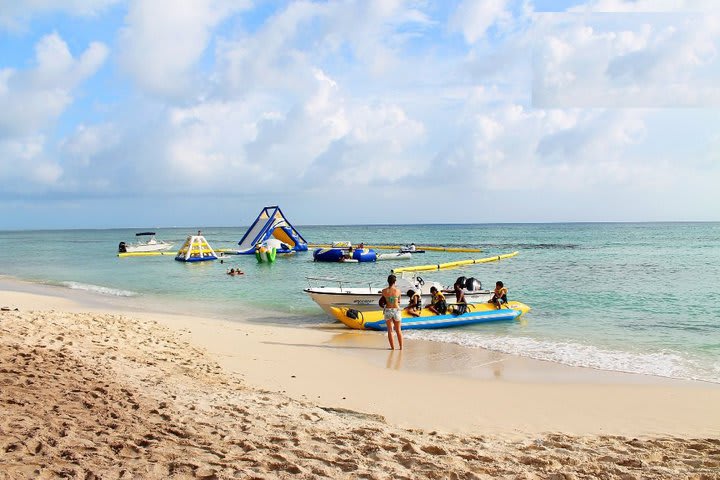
(438, 303)
(499, 295)
(415, 304)
(460, 302)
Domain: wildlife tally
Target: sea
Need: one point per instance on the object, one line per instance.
(629, 297)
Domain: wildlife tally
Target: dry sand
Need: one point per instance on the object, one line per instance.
(103, 395)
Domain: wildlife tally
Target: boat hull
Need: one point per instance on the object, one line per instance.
(154, 247)
(477, 313)
(366, 299)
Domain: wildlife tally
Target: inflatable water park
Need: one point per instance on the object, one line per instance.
(195, 249)
(344, 252)
(272, 223)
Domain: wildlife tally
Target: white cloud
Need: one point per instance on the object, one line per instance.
(473, 17)
(32, 99)
(24, 167)
(616, 60)
(163, 40)
(326, 138)
(284, 52)
(268, 59)
(87, 141)
(46, 173)
(648, 6)
(512, 148)
(14, 14)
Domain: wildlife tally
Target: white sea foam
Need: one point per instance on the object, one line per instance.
(664, 364)
(100, 289)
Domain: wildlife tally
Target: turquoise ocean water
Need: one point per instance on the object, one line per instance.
(641, 298)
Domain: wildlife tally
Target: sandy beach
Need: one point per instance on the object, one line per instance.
(87, 392)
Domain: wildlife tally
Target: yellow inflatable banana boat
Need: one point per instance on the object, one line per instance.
(476, 313)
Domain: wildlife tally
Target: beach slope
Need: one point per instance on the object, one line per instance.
(103, 395)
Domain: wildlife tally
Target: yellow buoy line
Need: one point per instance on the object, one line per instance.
(145, 254)
(443, 266)
(398, 247)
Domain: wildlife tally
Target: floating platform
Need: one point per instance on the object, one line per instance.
(338, 255)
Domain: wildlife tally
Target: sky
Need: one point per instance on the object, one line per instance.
(126, 113)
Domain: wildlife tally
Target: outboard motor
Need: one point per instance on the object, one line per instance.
(473, 284)
(461, 281)
(121, 248)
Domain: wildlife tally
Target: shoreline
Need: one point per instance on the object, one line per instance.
(435, 385)
(84, 300)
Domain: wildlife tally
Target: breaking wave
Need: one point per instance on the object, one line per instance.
(99, 289)
(669, 364)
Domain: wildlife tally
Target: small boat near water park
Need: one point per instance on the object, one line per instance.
(476, 313)
(410, 249)
(149, 245)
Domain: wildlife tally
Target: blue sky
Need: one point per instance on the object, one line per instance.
(199, 112)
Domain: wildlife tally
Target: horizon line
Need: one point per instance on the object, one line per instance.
(577, 222)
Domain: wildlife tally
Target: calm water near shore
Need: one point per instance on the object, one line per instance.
(641, 298)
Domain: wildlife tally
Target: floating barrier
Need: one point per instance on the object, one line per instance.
(443, 266)
(228, 251)
(451, 249)
(145, 254)
(398, 247)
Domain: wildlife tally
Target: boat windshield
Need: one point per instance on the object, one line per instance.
(315, 282)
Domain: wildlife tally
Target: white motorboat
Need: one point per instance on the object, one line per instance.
(365, 298)
(410, 249)
(150, 245)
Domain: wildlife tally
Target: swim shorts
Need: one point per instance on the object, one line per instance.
(392, 314)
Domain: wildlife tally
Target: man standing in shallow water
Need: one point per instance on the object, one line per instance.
(391, 311)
